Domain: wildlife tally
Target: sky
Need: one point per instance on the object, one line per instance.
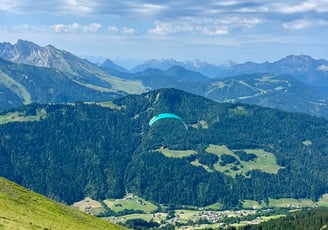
(131, 31)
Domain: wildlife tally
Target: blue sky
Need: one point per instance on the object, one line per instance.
(128, 31)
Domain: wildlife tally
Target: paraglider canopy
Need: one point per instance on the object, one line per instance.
(166, 115)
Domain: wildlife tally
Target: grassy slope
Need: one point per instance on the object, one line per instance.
(23, 209)
(16, 87)
(21, 117)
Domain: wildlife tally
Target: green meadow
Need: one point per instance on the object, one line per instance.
(264, 161)
(130, 202)
(21, 117)
(176, 153)
(23, 209)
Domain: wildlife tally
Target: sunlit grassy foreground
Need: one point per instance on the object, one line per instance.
(23, 209)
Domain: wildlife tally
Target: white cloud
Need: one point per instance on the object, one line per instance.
(302, 7)
(218, 31)
(205, 26)
(113, 29)
(79, 7)
(148, 8)
(75, 7)
(235, 21)
(75, 27)
(323, 68)
(307, 6)
(164, 9)
(7, 5)
(164, 28)
(128, 31)
(121, 31)
(32, 6)
(304, 24)
(297, 25)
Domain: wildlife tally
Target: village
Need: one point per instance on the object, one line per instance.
(134, 207)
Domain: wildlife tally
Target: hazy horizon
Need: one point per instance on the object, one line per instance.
(137, 30)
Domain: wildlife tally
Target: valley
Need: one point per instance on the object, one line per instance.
(131, 207)
(252, 147)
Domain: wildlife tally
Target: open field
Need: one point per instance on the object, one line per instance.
(291, 203)
(21, 117)
(158, 217)
(264, 161)
(198, 164)
(130, 202)
(176, 153)
(252, 204)
(90, 206)
(215, 206)
(323, 201)
(110, 104)
(284, 203)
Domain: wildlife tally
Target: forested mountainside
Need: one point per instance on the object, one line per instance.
(24, 84)
(283, 92)
(230, 152)
(311, 219)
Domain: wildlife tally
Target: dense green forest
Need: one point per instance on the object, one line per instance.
(312, 219)
(102, 151)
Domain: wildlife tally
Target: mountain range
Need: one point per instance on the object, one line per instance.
(196, 65)
(283, 91)
(30, 73)
(305, 68)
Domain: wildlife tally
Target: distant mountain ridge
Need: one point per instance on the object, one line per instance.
(109, 65)
(195, 65)
(303, 67)
(174, 77)
(295, 83)
(58, 76)
(83, 71)
(22, 84)
(30, 53)
(280, 91)
(283, 92)
(30, 73)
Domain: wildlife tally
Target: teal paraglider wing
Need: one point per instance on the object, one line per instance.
(166, 115)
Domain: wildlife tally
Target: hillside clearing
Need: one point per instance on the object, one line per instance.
(176, 153)
(130, 202)
(21, 117)
(264, 161)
